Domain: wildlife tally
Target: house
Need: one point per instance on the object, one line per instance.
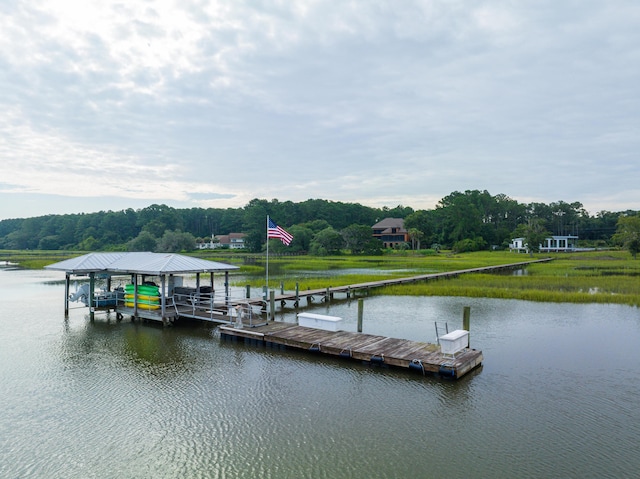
(554, 244)
(390, 232)
(231, 241)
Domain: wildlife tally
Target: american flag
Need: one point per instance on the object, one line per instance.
(274, 231)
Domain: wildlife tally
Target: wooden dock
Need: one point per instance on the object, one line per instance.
(424, 358)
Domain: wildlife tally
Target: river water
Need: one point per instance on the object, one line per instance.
(558, 395)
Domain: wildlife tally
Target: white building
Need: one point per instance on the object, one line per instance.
(231, 241)
(556, 244)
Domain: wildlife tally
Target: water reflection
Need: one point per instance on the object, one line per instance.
(556, 396)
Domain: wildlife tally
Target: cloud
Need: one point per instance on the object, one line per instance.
(219, 102)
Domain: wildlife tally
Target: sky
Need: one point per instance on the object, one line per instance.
(196, 103)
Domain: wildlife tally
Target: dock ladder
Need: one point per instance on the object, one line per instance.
(441, 330)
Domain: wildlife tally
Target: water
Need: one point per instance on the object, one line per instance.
(557, 396)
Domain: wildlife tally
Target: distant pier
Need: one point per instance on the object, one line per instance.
(351, 290)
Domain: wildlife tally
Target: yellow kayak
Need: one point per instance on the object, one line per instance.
(143, 297)
(129, 304)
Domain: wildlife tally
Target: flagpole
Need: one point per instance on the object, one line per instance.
(267, 268)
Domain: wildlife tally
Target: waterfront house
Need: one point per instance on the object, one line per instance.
(390, 232)
(555, 244)
(231, 241)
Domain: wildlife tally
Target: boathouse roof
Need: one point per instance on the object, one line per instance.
(140, 263)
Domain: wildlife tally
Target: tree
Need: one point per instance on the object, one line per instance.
(628, 233)
(145, 241)
(356, 238)
(254, 224)
(423, 221)
(327, 242)
(416, 236)
(301, 239)
(176, 241)
(159, 218)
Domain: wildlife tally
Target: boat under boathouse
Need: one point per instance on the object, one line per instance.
(145, 285)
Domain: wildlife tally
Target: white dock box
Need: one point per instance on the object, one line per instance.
(454, 342)
(319, 321)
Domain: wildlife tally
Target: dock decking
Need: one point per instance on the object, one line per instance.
(425, 358)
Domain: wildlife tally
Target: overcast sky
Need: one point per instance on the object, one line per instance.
(195, 103)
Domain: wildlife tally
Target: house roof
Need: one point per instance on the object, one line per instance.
(388, 224)
(139, 263)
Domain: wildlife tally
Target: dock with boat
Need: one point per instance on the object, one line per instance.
(139, 296)
(128, 276)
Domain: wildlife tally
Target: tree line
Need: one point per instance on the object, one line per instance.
(464, 221)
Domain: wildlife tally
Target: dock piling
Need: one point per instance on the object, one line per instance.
(272, 304)
(360, 314)
(466, 318)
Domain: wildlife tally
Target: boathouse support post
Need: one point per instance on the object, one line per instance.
(272, 305)
(92, 287)
(360, 313)
(134, 279)
(466, 318)
(66, 295)
(163, 301)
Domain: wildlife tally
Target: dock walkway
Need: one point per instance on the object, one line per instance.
(325, 294)
(423, 357)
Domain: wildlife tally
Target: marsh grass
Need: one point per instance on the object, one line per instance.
(577, 278)
(594, 277)
(35, 259)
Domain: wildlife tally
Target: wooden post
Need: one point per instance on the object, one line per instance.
(466, 316)
(360, 310)
(272, 304)
(297, 292)
(281, 287)
(327, 295)
(227, 291)
(248, 291)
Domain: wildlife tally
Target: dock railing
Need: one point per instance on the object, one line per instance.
(243, 315)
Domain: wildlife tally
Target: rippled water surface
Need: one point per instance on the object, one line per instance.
(558, 395)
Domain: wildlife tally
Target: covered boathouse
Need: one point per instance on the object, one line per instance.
(145, 285)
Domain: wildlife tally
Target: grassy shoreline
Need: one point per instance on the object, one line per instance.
(590, 277)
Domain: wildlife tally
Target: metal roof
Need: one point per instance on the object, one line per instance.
(140, 263)
(92, 262)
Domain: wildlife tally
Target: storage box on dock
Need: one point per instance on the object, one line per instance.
(454, 342)
(320, 321)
